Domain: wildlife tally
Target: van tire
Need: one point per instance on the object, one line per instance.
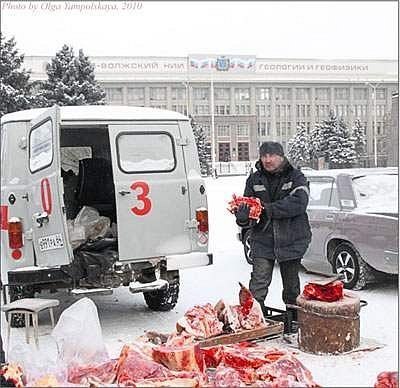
(164, 300)
(16, 293)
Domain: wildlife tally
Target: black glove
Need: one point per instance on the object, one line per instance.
(242, 214)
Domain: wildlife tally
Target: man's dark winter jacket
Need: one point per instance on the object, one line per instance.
(283, 231)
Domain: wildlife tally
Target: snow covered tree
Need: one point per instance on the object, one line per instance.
(15, 87)
(358, 137)
(332, 141)
(71, 80)
(203, 147)
(299, 148)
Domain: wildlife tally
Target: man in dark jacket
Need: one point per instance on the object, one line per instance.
(283, 231)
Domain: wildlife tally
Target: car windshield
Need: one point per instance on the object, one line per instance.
(377, 193)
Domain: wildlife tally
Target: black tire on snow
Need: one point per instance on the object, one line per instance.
(348, 262)
(19, 292)
(246, 247)
(164, 300)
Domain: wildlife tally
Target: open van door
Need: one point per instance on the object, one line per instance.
(151, 190)
(45, 200)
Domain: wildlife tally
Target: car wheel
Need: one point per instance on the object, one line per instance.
(347, 262)
(247, 247)
(164, 300)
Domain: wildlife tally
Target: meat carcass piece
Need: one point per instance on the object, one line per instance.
(180, 358)
(227, 377)
(133, 366)
(103, 373)
(251, 315)
(284, 367)
(387, 380)
(174, 382)
(201, 322)
(213, 355)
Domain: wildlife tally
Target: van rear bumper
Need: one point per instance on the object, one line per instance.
(189, 260)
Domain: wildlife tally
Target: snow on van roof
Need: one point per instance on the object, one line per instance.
(354, 172)
(98, 112)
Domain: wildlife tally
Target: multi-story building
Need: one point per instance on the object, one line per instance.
(243, 100)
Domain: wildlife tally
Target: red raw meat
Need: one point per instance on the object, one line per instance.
(213, 355)
(284, 367)
(328, 293)
(227, 377)
(254, 203)
(201, 322)
(173, 382)
(387, 380)
(180, 358)
(103, 373)
(133, 366)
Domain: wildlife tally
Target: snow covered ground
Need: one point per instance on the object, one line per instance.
(124, 316)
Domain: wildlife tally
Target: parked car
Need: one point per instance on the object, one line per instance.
(354, 220)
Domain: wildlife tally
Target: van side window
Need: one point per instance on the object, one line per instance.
(41, 146)
(146, 152)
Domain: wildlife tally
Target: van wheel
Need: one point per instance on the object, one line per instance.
(16, 293)
(348, 262)
(164, 300)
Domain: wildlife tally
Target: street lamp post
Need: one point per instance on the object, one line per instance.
(212, 131)
(374, 87)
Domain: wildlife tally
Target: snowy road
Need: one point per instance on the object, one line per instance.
(124, 316)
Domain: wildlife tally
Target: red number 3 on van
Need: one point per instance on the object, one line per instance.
(142, 197)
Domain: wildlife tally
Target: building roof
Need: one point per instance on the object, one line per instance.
(99, 113)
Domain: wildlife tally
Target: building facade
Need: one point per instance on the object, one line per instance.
(242, 101)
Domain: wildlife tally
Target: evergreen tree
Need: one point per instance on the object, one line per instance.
(299, 148)
(332, 140)
(15, 87)
(71, 80)
(203, 147)
(358, 137)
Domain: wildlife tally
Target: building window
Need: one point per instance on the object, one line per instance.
(242, 109)
(322, 111)
(178, 94)
(223, 130)
(180, 108)
(322, 93)
(360, 93)
(224, 152)
(201, 109)
(201, 93)
(222, 110)
(242, 94)
(380, 110)
(379, 128)
(263, 110)
(360, 111)
(159, 106)
(303, 93)
(303, 110)
(243, 151)
(341, 110)
(263, 93)
(283, 93)
(157, 94)
(262, 128)
(243, 130)
(114, 96)
(222, 93)
(380, 94)
(282, 111)
(135, 96)
(206, 129)
(341, 93)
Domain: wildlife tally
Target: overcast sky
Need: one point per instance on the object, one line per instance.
(317, 29)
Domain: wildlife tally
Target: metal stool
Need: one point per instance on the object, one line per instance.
(29, 306)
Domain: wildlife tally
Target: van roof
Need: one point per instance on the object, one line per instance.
(99, 113)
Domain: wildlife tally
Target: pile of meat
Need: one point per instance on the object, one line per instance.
(254, 203)
(207, 321)
(329, 292)
(181, 363)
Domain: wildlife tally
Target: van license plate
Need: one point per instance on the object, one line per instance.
(53, 241)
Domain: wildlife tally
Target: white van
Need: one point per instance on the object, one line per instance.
(95, 197)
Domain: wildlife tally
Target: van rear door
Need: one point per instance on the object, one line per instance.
(45, 200)
(151, 190)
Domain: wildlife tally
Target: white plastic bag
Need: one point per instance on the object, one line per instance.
(78, 335)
